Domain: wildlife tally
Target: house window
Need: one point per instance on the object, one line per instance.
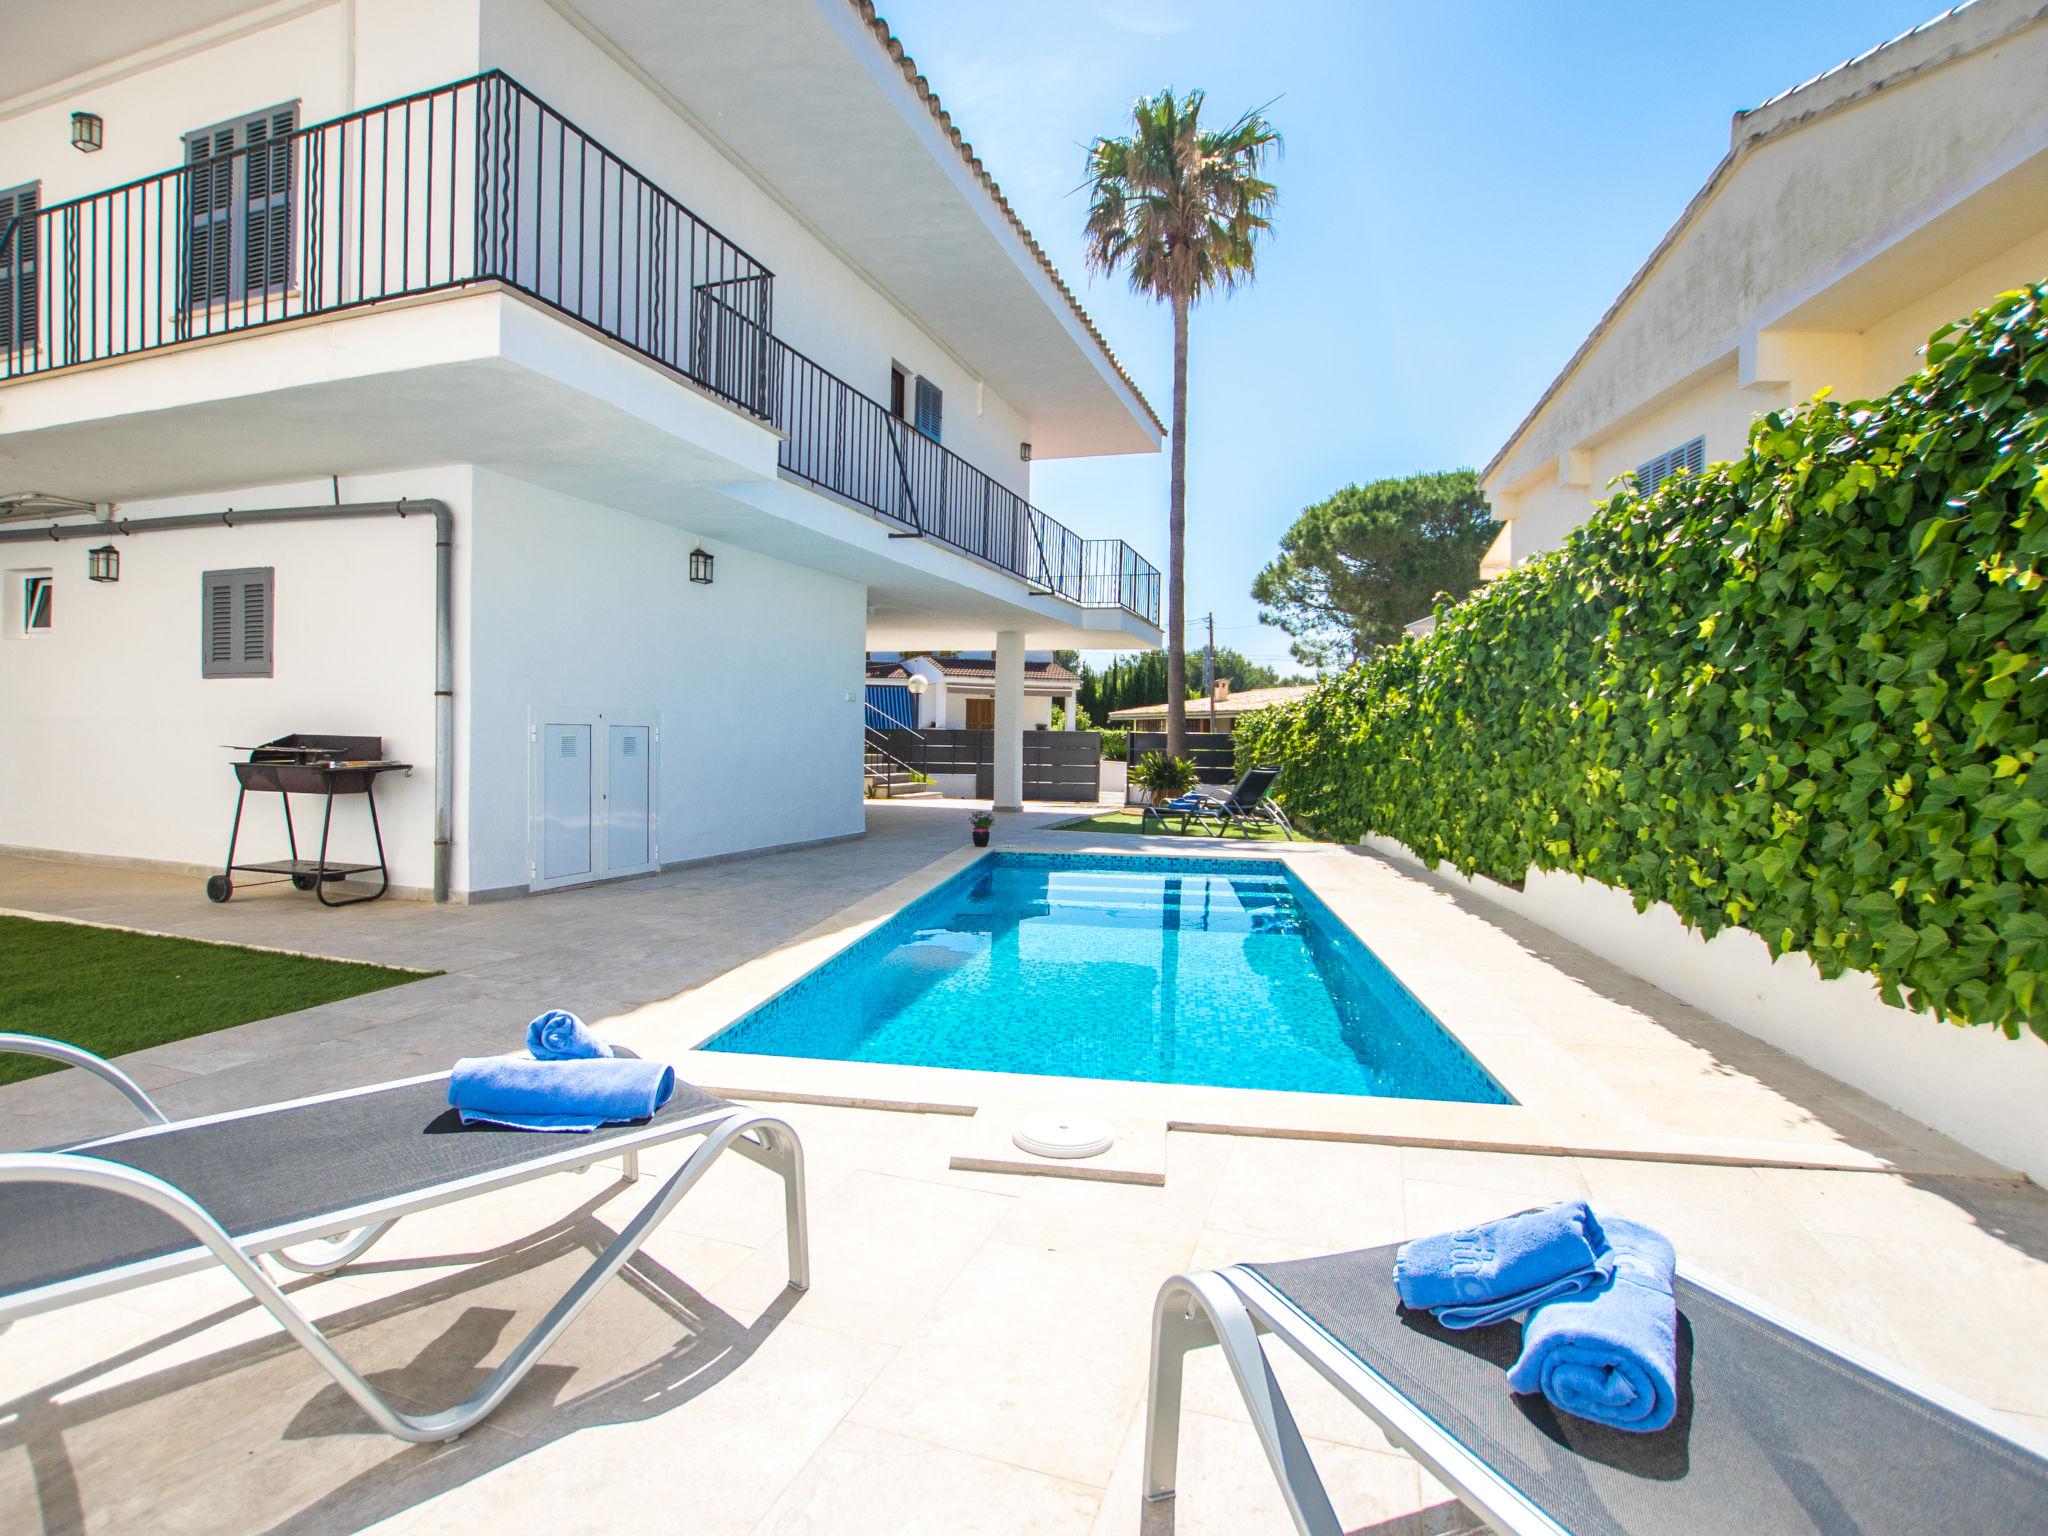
(1686, 459)
(30, 604)
(18, 291)
(235, 621)
(981, 714)
(238, 207)
(899, 391)
(931, 409)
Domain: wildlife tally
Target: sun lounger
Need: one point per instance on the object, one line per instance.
(1778, 1432)
(312, 1183)
(1249, 804)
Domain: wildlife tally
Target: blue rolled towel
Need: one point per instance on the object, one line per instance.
(1612, 1355)
(1487, 1274)
(558, 1035)
(577, 1095)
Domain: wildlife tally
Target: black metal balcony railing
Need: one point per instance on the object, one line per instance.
(472, 182)
(849, 443)
(481, 181)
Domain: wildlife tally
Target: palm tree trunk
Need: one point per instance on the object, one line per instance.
(1176, 544)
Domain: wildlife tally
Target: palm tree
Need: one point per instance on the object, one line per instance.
(1180, 209)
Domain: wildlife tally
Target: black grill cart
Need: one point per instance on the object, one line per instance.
(302, 764)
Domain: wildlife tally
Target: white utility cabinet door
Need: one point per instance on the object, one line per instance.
(594, 786)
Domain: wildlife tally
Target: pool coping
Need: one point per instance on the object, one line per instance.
(1511, 1024)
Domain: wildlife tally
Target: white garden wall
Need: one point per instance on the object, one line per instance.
(1973, 1085)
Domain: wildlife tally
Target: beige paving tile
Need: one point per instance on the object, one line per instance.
(868, 1482)
(1328, 1195)
(1537, 1178)
(883, 1250)
(1967, 1314)
(685, 1453)
(1225, 1487)
(1031, 1357)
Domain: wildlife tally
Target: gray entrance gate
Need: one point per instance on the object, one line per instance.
(1058, 765)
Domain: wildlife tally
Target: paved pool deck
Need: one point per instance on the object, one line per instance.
(971, 1356)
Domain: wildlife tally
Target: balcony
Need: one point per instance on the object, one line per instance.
(482, 183)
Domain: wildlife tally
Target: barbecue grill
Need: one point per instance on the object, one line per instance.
(303, 764)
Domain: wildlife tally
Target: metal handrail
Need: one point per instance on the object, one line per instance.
(476, 181)
(481, 181)
(888, 724)
(835, 437)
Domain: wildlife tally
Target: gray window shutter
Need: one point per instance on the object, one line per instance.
(18, 288)
(238, 207)
(931, 409)
(1686, 459)
(236, 614)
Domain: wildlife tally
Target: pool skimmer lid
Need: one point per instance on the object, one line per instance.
(1054, 1134)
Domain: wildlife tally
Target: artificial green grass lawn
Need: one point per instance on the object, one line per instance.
(112, 991)
(1131, 822)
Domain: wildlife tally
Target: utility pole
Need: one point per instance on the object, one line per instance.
(1209, 671)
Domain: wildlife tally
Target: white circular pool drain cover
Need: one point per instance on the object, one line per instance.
(1053, 1134)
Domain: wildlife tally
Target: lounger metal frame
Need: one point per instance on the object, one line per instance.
(337, 1238)
(1234, 1307)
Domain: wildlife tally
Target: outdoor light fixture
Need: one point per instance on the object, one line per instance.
(700, 567)
(918, 685)
(88, 133)
(103, 563)
(1024, 452)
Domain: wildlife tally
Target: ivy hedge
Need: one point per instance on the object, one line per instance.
(1803, 693)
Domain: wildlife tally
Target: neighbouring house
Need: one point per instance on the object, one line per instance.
(492, 376)
(1852, 215)
(959, 692)
(1217, 714)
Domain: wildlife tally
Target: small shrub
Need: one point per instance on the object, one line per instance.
(1164, 776)
(1116, 746)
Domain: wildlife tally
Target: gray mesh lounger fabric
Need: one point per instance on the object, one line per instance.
(313, 1185)
(1774, 1434)
(254, 1172)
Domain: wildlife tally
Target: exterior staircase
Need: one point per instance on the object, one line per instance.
(888, 779)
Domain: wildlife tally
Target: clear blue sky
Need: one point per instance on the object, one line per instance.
(1466, 186)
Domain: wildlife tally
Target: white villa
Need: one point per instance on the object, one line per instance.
(1852, 215)
(957, 692)
(496, 377)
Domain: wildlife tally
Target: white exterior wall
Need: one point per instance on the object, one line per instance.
(114, 740)
(823, 307)
(1972, 1085)
(344, 56)
(757, 677)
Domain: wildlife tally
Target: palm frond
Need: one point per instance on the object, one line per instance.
(1180, 209)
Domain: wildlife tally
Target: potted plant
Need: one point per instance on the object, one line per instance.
(1165, 777)
(982, 821)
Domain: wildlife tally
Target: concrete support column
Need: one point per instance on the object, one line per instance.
(1067, 712)
(1009, 766)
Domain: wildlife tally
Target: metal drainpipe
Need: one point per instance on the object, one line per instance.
(444, 626)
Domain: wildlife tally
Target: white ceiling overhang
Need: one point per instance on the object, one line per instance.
(807, 97)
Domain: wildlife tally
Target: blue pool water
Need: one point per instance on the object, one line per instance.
(1228, 972)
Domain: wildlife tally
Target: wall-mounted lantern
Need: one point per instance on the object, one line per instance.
(700, 567)
(88, 133)
(1024, 452)
(103, 563)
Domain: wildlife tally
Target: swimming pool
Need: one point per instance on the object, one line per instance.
(1226, 972)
